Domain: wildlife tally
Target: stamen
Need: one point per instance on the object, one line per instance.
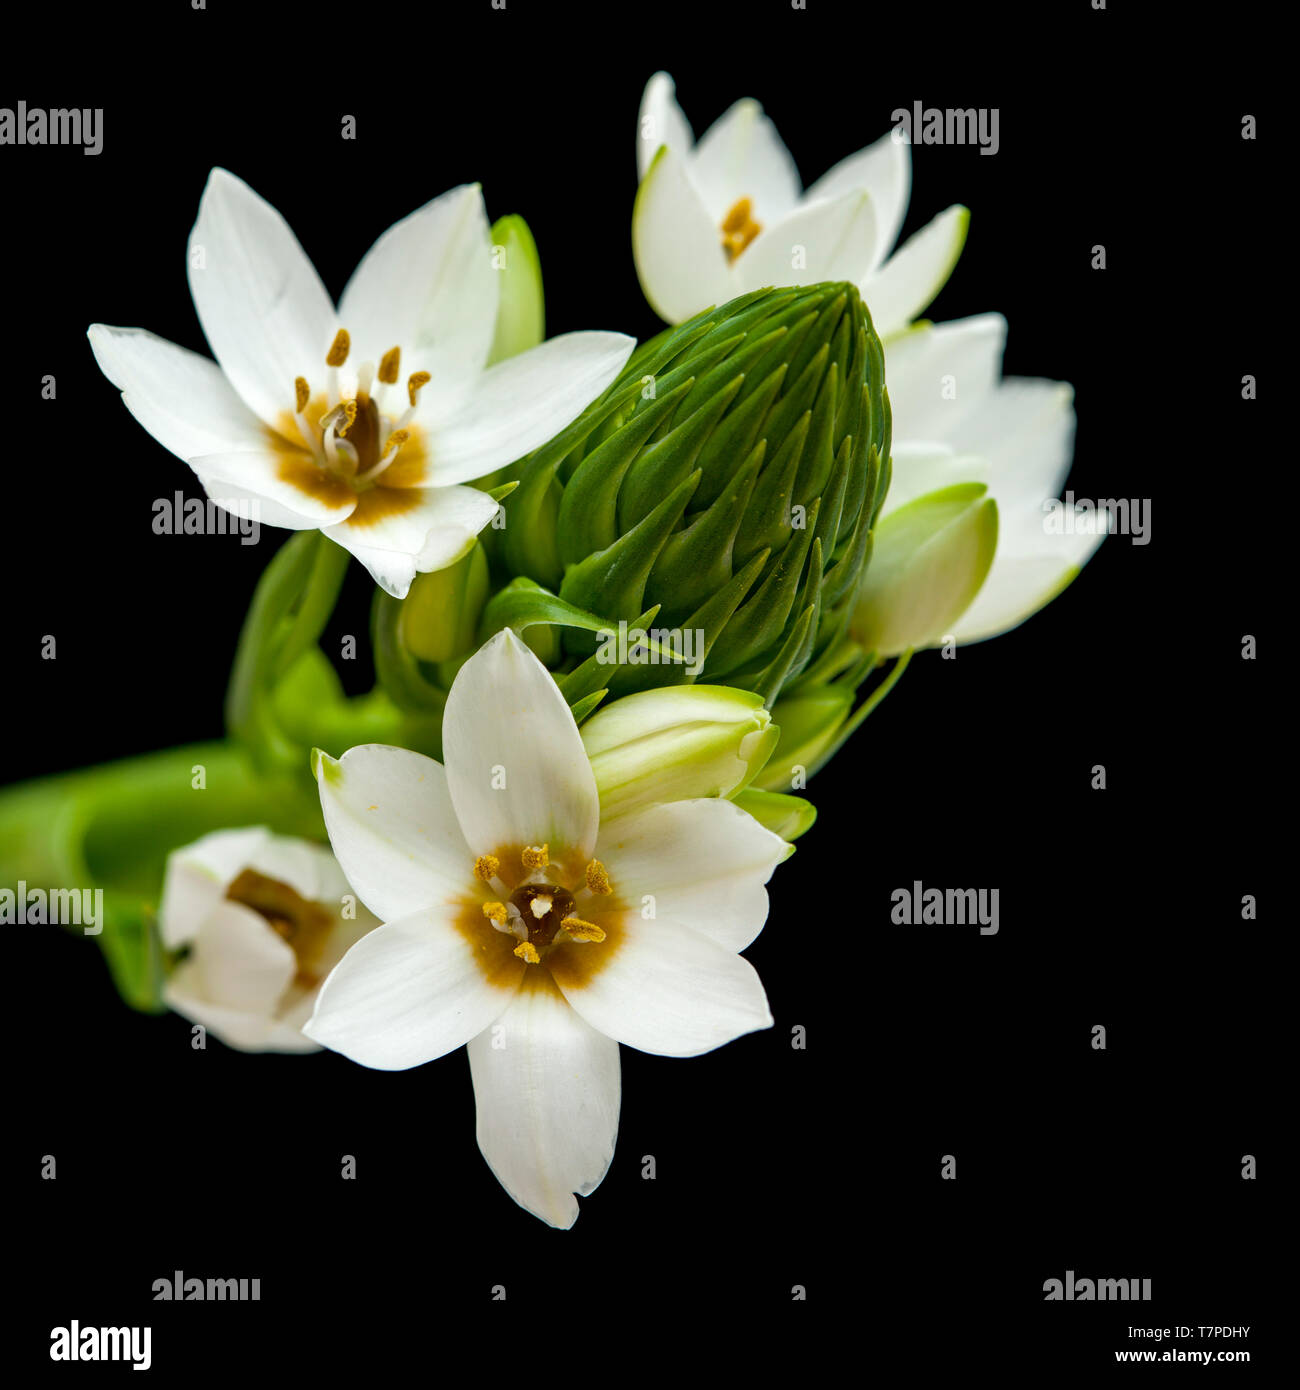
(527, 953)
(495, 913)
(597, 878)
(338, 353)
(486, 866)
(414, 382)
(390, 366)
(349, 409)
(301, 394)
(580, 930)
(536, 857)
(739, 228)
(394, 442)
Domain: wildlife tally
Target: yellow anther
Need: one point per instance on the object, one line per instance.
(597, 878)
(536, 856)
(495, 912)
(350, 411)
(739, 227)
(395, 441)
(301, 394)
(582, 931)
(339, 349)
(527, 953)
(390, 366)
(414, 382)
(486, 866)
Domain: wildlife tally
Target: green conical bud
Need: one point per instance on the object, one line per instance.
(728, 479)
(439, 615)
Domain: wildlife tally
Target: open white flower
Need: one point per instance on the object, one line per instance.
(363, 421)
(519, 924)
(719, 217)
(266, 918)
(964, 547)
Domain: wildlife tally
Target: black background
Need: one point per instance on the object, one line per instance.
(776, 1167)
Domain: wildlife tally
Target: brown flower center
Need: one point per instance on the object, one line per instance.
(304, 925)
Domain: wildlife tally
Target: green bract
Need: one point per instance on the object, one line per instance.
(719, 497)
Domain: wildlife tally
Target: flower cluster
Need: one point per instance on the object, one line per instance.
(627, 599)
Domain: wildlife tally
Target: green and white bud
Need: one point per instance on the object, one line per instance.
(786, 816)
(677, 743)
(439, 616)
(929, 560)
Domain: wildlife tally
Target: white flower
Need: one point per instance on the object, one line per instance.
(518, 924)
(266, 918)
(307, 418)
(965, 438)
(719, 217)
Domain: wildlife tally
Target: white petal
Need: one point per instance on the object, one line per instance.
(742, 156)
(181, 398)
(516, 767)
(520, 403)
(546, 1089)
(411, 991)
(661, 986)
(197, 876)
(885, 171)
(920, 467)
(940, 375)
(661, 122)
(436, 528)
(828, 240)
(677, 244)
(1026, 430)
(240, 962)
(907, 282)
(1030, 569)
(428, 286)
(243, 1031)
(391, 825)
(705, 863)
(258, 475)
(263, 308)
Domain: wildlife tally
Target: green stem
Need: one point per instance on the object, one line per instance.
(290, 607)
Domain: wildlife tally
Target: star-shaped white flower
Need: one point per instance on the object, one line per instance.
(363, 421)
(724, 215)
(957, 421)
(265, 917)
(518, 924)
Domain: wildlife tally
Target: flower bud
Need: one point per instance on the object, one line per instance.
(676, 743)
(440, 614)
(786, 816)
(727, 481)
(809, 724)
(928, 562)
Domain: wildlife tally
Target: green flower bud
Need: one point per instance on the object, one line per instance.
(676, 743)
(440, 614)
(727, 480)
(809, 723)
(929, 560)
(786, 816)
(521, 317)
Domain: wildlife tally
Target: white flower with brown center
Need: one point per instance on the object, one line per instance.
(518, 924)
(266, 918)
(365, 421)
